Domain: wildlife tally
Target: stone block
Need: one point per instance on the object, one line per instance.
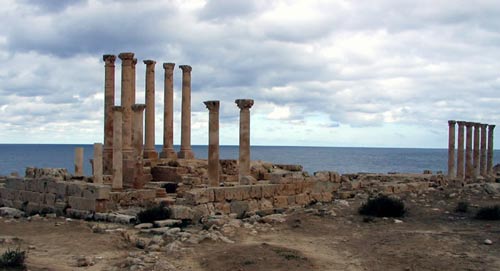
(291, 200)
(199, 196)
(219, 194)
(9, 194)
(253, 205)
(168, 174)
(335, 177)
(6, 203)
(276, 178)
(29, 196)
(400, 188)
(18, 204)
(280, 201)
(76, 188)
(104, 205)
(269, 190)
(32, 208)
(49, 199)
(81, 203)
(97, 191)
(61, 190)
(302, 199)
(245, 191)
(265, 204)
(43, 184)
(31, 185)
(222, 207)
(233, 193)
(51, 187)
(15, 183)
(239, 207)
(325, 187)
(256, 192)
(182, 212)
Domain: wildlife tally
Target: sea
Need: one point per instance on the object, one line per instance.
(16, 157)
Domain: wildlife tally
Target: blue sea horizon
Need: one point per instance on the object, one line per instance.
(16, 157)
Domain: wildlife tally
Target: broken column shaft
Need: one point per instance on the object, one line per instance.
(451, 148)
(149, 148)
(213, 142)
(244, 156)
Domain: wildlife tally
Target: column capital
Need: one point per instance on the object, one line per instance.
(469, 124)
(212, 105)
(168, 66)
(109, 59)
(185, 68)
(461, 123)
(477, 125)
(149, 62)
(118, 108)
(484, 125)
(138, 107)
(451, 122)
(134, 62)
(244, 103)
(126, 56)
(491, 126)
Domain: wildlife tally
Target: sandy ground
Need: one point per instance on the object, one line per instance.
(431, 237)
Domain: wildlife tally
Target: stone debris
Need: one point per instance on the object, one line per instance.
(488, 242)
(11, 212)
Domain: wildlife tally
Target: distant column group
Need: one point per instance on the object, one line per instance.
(478, 150)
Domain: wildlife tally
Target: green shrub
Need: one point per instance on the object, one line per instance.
(383, 206)
(152, 214)
(13, 259)
(462, 207)
(489, 213)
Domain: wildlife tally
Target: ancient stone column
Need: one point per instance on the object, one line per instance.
(97, 163)
(137, 143)
(468, 151)
(117, 184)
(168, 113)
(475, 158)
(78, 162)
(489, 165)
(149, 148)
(460, 150)
(109, 102)
(186, 152)
(451, 148)
(127, 98)
(133, 80)
(213, 142)
(482, 164)
(244, 157)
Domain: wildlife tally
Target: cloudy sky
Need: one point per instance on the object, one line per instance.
(322, 73)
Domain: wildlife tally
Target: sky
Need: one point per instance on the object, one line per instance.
(382, 73)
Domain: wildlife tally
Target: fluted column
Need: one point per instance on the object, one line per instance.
(186, 152)
(97, 163)
(489, 166)
(475, 158)
(109, 102)
(149, 148)
(451, 148)
(244, 156)
(213, 142)
(482, 164)
(78, 162)
(168, 113)
(468, 151)
(137, 142)
(127, 98)
(117, 184)
(460, 150)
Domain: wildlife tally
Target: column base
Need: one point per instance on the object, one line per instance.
(185, 154)
(150, 154)
(168, 153)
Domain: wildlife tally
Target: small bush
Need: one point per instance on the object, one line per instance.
(489, 213)
(383, 206)
(152, 214)
(462, 207)
(13, 259)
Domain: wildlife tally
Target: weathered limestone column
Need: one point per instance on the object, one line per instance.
(482, 165)
(97, 162)
(460, 150)
(213, 142)
(489, 165)
(117, 184)
(137, 142)
(451, 148)
(168, 113)
(109, 102)
(468, 151)
(78, 162)
(475, 161)
(244, 157)
(127, 98)
(134, 75)
(149, 148)
(186, 152)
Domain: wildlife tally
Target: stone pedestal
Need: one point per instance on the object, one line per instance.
(451, 148)
(149, 148)
(78, 162)
(137, 142)
(468, 151)
(97, 163)
(168, 113)
(186, 152)
(213, 142)
(117, 184)
(244, 156)
(460, 150)
(475, 157)
(109, 102)
(482, 164)
(489, 165)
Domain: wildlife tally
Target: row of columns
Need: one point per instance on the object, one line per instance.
(130, 115)
(478, 150)
(213, 140)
